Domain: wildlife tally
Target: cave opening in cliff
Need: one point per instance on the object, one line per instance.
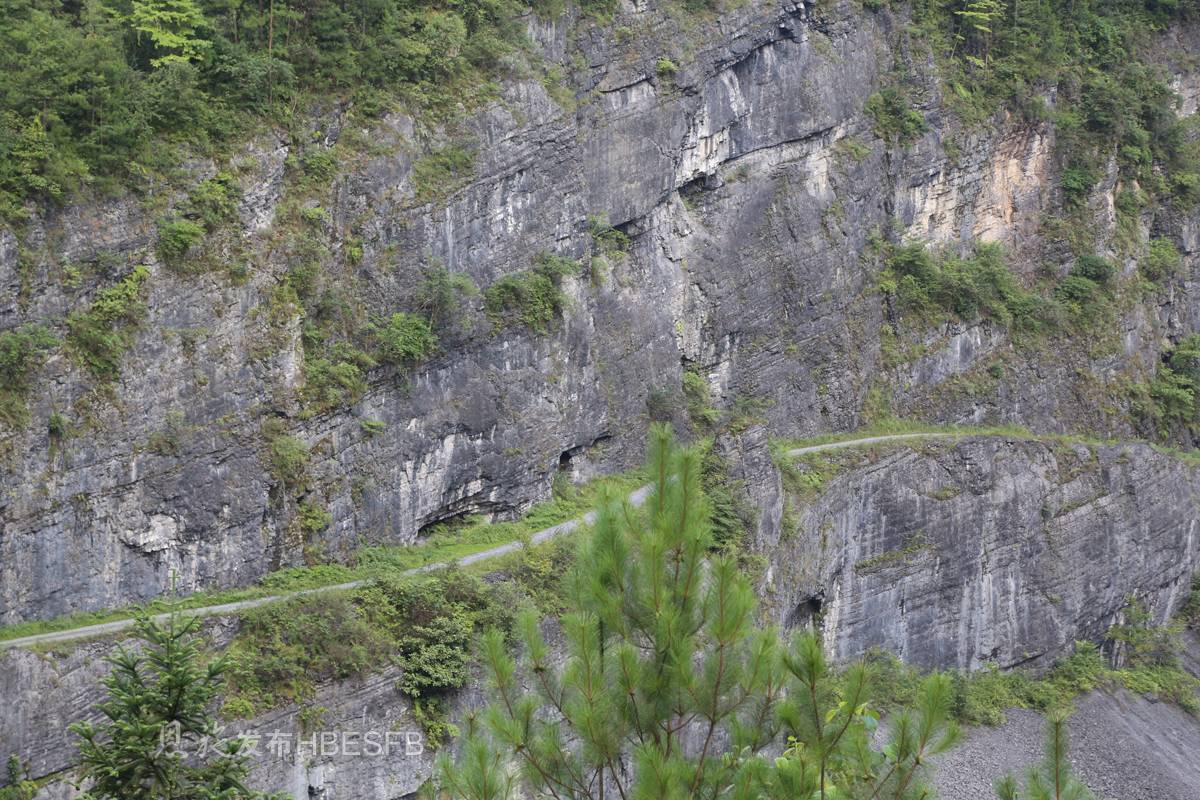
(807, 614)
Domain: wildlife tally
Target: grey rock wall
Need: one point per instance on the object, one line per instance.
(982, 551)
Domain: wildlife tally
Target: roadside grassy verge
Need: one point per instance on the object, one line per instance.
(445, 543)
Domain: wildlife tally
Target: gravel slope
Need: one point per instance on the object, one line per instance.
(1123, 746)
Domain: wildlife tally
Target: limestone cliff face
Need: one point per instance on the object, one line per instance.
(981, 551)
(748, 222)
(950, 554)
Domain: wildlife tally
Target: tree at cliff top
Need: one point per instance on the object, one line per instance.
(669, 690)
(157, 722)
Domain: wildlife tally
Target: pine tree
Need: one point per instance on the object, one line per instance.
(172, 27)
(669, 690)
(1052, 779)
(157, 720)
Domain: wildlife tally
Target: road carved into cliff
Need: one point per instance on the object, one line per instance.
(637, 497)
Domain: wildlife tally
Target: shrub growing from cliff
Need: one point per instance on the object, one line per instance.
(426, 625)
(1161, 261)
(99, 335)
(1110, 100)
(404, 339)
(661, 649)
(894, 119)
(22, 351)
(532, 297)
(1168, 402)
(287, 456)
(442, 295)
(978, 286)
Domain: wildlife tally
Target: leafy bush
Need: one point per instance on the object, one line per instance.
(980, 285)
(698, 398)
(97, 95)
(1076, 184)
(287, 458)
(531, 297)
(176, 237)
(607, 239)
(443, 294)
(1094, 268)
(214, 201)
(1161, 262)
(894, 119)
(329, 384)
(22, 351)
(319, 165)
(313, 517)
(99, 336)
(1169, 402)
(427, 624)
(404, 339)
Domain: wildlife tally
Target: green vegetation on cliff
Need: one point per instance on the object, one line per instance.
(1083, 65)
(99, 91)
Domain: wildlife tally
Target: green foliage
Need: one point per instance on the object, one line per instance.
(426, 624)
(213, 202)
(1168, 403)
(1162, 261)
(660, 641)
(18, 787)
(980, 285)
(443, 295)
(894, 120)
(176, 237)
(665, 68)
(58, 426)
(313, 517)
(1109, 98)
(731, 517)
(287, 458)
(607, 239)
(170, 439)
(850, 148)
(532, 297)
(170, 26)
(698, 399)
(1052, 779)
(438, 173)
(22, 351)
(336, 378)
(99, 336)
(95, 91)
(372, 427)
(164, 687)
(404, 339)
